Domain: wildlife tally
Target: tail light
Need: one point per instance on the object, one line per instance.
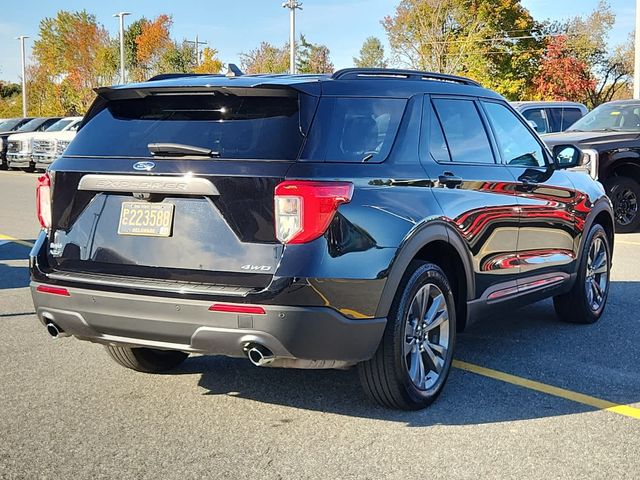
(304, 209)
(43, 200)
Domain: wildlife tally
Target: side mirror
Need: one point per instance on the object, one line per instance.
(567, 156)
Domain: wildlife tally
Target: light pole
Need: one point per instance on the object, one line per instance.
(292, 5)
(24, 75)
(636, 76)
(197, 44)
(122, 15)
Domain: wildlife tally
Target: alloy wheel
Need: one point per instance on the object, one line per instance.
(597, 274)
(426, 336)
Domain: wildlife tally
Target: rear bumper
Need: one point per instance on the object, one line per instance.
(305, 333)
(19, 160)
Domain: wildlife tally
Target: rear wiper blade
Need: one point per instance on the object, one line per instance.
(180, 150)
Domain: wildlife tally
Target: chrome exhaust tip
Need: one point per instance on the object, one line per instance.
(55, 331)
(259, 355)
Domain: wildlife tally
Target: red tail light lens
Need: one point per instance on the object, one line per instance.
(304, 209)
(43, 200)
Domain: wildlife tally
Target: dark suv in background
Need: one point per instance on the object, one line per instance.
(609, 137)
(312, 221)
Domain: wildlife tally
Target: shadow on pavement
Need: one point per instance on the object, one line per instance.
(599, 360)
(14, 251)
(13, 276)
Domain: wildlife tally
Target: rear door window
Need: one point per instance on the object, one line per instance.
(259, 124)
(354, 130)
(464, 131)
(537, 117)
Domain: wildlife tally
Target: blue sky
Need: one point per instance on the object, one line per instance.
(238, 26)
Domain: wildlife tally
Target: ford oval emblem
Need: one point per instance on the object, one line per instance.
(146, 166)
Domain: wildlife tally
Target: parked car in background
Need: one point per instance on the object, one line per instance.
(8, 127)
(549, 117)
(49, 145)
(311, 221)
(19, 144)
(609, 137)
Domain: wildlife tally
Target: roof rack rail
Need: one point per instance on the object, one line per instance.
(165, 76)
(355, 73)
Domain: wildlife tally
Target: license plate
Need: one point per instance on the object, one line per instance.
(146, 219)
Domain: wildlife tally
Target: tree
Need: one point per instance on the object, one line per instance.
(608, 70)
(210, 62)
(71, 59)
(562, 75)
(267, 58)
(494, 41)
(371, 54)
(152, 45)
(313, 58)
(10, 99)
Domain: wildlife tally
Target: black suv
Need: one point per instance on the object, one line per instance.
(609, 137)
(311, 221)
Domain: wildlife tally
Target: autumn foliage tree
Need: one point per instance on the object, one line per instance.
(72, 56)
(267, 58)
(562, 75)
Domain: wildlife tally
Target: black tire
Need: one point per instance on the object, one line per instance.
(148, 360)
(386, 377)
(574, 306)
(624, 193)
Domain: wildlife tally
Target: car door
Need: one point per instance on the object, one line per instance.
(548, 235)
(474, 190)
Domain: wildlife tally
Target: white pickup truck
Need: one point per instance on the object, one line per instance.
(22, 146)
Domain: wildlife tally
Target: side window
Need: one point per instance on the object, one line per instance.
(464, 131)
(570, 116)
(517, 145)
(537, 117)
(437, 144)
(555, 119)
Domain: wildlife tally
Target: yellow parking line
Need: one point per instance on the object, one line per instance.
(594, 402)
(15, 240)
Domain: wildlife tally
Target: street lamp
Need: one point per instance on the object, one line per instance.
(636, 72)
(24, 76)
(121, 15)
(292, 5)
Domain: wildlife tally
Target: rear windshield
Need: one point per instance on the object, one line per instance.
(354, 129)
(253, 126)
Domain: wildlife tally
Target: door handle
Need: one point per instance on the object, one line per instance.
(450, 180)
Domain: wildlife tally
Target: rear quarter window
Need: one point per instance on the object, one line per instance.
(354, 130)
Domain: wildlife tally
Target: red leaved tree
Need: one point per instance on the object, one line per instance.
(562, 76)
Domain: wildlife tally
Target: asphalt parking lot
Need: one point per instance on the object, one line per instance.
(568, 408)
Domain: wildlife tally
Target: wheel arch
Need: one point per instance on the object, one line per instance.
(601, 214)
(625, 167)
(440, 244)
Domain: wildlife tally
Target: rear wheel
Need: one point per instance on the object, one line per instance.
(148, 360)
(625, 196)
(586, 301)
(414, 357)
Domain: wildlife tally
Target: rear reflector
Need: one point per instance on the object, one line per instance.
(234, 308)
(53, 290)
